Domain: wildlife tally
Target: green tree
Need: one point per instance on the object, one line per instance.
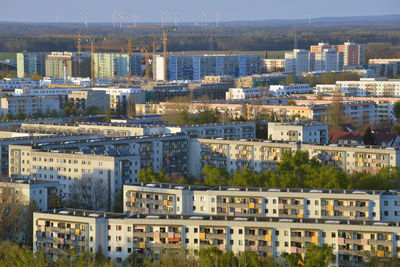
(291, 103)
(249, 259)
(215, 176)
(321, 256)
(93, 110)
(396, 110)
(36, 77)
(148, 176)
(108, 115)
(292, 260)
(13, 255)
(10, 116)
(53, 113)
(20, 116)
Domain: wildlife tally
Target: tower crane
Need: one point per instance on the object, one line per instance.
(77, 37)
(164, 29)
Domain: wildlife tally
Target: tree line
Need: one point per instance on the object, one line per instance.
(321, 256)
(295, 170)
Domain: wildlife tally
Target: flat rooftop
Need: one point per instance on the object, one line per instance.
(147, 218)
(266, 189)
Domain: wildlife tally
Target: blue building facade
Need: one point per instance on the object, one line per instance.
(197, 67)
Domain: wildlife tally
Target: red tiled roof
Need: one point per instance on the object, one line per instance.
(335, 136)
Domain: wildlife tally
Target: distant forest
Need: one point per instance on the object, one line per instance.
(17, 37)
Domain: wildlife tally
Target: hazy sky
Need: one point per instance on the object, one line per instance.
(188, 10)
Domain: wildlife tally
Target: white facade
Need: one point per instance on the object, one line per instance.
(120, 235)
(377, 205)
(372, 87)
(297, 61)
(158, 68)
(45, 91)
(316, 133)
(244, 93)
(29, 105)
(326, 61)
(284, 90)
(29, 191)
(66, 167)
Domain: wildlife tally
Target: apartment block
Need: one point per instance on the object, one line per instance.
(290, 89)
(111, 168)
(190, 67)
(271, 65)
(65, 64)
(21, 140)
(329, 204)
(29, 105)
(119, 235)
(61, 93)
(119, 97)
(166, 153)
(311, 132)
(84, 99)
(258, 155)
(115, 65)
(297, 61)
(25, 191)
(234, 129)
(13, 83)
(245, 93)
(31, 63)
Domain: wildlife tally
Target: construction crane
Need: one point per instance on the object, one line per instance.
(129, 50)
(165, 29)
(77, 37)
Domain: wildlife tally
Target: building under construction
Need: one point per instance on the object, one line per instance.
(64, 64)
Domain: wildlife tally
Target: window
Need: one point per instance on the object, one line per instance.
(119, 249)
(333, 234)
(240, 231)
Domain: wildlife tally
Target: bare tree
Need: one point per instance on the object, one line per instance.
(131, 106)
(16, 217)
(89, 193)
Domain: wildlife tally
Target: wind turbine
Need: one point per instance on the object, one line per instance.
(175, 18)
(135, 18)
(86, 19)
(121, 16)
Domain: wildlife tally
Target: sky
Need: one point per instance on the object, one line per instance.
(187, 10)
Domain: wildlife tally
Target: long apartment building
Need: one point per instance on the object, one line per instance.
(29, 105)
(111, 168)
(234, 129)
(20, 139)
(259, 155)
(372, 87)
(119, 235)
(166, 153)
(191, 67)
(362, 112)
(329, 204)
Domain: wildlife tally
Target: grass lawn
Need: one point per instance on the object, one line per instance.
(8, 55)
